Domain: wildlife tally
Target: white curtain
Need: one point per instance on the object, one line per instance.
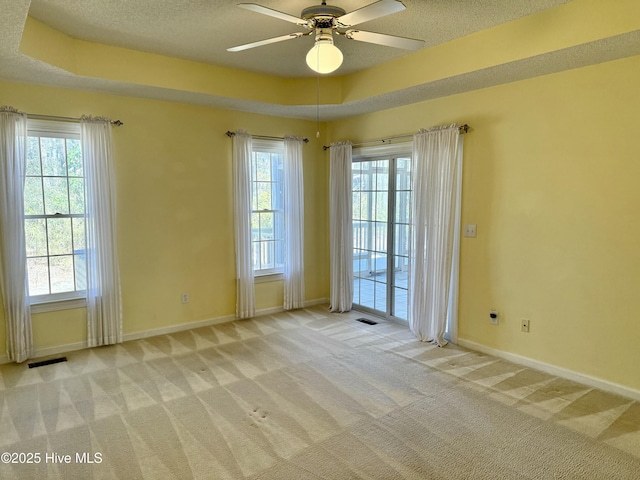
(13, 275)
(437, 180)
(293, 224)
(104, 301)
(245, 296)
(341, 228)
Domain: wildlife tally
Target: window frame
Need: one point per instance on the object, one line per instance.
(392, 153)
(271, 147)
(59, 300)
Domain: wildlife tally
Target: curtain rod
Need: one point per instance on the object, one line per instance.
(462, 128)
(116, 123)
(263, 137)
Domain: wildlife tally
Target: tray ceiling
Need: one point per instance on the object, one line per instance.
(201, 31)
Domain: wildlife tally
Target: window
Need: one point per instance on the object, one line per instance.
(267, 200)
(54, 208)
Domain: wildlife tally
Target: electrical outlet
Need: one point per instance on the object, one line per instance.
(185, 298)
(493, 317)
(524, 325)
(470, 230)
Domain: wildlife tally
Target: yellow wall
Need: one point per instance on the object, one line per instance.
(551, 179)
(578, 22)
(174, 196)
(132, 67)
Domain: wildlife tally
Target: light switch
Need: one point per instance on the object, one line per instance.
(470, 230)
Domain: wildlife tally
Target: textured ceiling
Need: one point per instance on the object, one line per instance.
(201, 30)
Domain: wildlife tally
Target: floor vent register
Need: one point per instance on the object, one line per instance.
(367, 321)
(51, 361)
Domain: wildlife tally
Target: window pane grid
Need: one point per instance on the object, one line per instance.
(267, 216)
(381, 228)
(54, 215)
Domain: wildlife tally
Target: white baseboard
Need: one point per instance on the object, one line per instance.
(177, 328)
(317, 301)
(50, 351)
(211, 321)
(554, 370)
(70, 347)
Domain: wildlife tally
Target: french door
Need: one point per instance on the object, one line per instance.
(381, 234)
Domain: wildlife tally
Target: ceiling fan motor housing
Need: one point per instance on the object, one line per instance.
(323, 15)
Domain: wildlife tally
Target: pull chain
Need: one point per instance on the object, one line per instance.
(317, 106)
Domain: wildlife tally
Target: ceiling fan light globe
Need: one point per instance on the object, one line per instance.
(324, 57)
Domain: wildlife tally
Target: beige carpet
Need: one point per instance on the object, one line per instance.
(307, 395)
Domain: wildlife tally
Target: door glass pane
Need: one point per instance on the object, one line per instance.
(359, 237)
(400, 303)
(380, 237)
(356, 177)
(401, 240)
(382, 175)
(367, 290)
(401, 271)
(382, 206)
(356, 290)
(356, 206)
(380, 296)
(365, 176)
(403, 174)
(380, 274)
(403, 207)
(366, 211)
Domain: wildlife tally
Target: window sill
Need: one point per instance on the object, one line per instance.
(271, 277)
(58, 305)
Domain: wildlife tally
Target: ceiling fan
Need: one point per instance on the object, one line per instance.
(324, 20)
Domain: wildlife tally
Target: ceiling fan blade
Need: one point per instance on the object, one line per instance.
(383, 39)
(370, 12)
(254, 7)
(247, 46)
